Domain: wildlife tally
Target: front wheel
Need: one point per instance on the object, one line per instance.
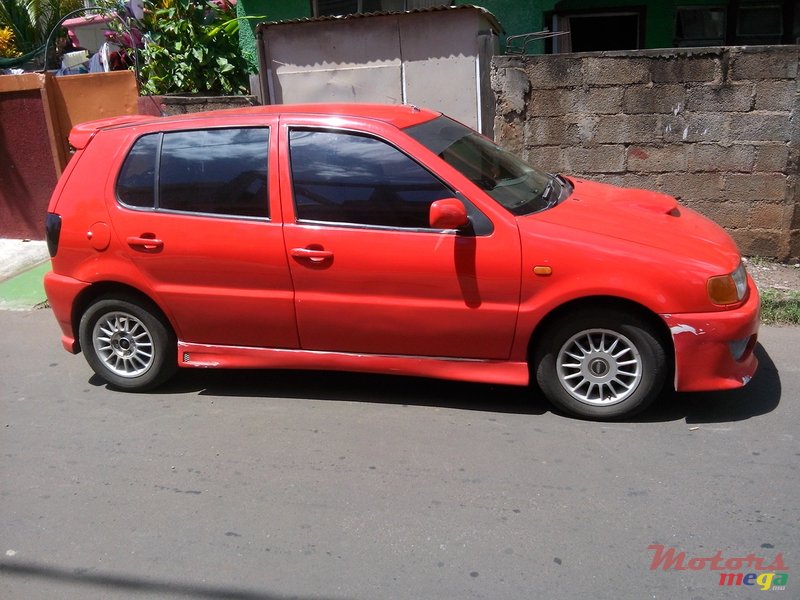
(606, 365)
(127, 343)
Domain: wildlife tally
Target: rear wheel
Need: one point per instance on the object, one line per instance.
(603, 365)
(127, 343)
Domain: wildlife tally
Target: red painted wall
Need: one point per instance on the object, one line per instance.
(27, 169)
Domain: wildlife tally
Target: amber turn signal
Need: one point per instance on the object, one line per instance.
(722, 290)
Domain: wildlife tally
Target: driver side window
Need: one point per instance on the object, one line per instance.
(347, 178)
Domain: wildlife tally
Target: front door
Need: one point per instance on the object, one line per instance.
(370, 275)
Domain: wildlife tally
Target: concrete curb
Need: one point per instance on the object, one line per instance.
(17, 256)
(23, 264)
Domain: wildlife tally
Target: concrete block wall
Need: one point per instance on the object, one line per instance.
(719, 128)
(167, 106)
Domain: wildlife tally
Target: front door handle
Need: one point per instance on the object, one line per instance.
(312, 254)
(145, 242)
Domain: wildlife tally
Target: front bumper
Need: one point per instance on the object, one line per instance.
(714, 350)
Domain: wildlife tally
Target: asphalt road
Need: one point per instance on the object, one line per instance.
(278, 485)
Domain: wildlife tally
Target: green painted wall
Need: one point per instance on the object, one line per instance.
(516, 16)
(272, 10)
(279, 10)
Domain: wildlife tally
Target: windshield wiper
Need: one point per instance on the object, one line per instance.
(565, 183)
(554, 190)
(547, 194)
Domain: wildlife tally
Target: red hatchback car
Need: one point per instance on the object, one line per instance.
(384, 239)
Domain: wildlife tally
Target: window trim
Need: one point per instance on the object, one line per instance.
(157, 173)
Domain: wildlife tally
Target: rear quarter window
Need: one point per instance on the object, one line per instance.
(136, 183)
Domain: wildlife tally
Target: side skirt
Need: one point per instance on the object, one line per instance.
(238, 357)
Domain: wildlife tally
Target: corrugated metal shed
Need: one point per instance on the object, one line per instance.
(490, 18)
(435, 57)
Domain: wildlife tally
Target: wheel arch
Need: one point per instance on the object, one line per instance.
(111, 288)
(603, 303)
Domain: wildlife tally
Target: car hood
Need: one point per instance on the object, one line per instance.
(645, 218)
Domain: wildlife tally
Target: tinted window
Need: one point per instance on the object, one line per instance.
(513, 183)
(136, 183)
(350, 178)
(216, 171)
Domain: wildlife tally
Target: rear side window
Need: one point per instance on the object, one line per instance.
(213, 171)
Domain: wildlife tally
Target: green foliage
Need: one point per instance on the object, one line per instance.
(191, 47)
(7, 47)
(780, 307)
(31, 21)
(247, 37)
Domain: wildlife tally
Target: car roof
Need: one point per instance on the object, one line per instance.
(399, 115)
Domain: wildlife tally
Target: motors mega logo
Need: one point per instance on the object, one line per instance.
(750, 570)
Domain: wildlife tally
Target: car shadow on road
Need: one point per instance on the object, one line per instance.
(760, 396)
(73, 583)
(358, 387)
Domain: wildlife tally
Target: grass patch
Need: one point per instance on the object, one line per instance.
(780, 307)
(758, 260)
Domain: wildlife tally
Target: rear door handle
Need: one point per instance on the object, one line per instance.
(145, 243)
(311, 254)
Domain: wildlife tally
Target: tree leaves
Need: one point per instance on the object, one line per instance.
(191, 47)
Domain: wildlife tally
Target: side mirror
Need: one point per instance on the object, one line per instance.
(449, 213)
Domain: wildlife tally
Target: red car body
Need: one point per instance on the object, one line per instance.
(287, 292)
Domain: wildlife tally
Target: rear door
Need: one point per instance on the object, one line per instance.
(194, 209)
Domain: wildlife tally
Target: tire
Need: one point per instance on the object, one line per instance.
(602, 365)
(127, 343)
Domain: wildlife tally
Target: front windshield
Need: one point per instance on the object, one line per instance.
(517, 186)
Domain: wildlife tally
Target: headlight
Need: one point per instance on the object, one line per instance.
(740, 279)
(728, 289)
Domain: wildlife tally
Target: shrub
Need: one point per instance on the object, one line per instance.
(7, 47)
(190, 47)
(31, 21)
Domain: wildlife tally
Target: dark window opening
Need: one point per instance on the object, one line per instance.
(760, 24)
(604, 32)
(593, 31)
(700, 27)
(746, 24)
